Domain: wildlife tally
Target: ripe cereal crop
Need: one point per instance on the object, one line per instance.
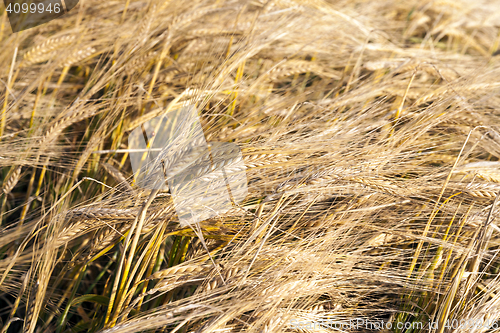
(370, 139)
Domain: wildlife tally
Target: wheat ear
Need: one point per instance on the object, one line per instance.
(78, 56)
(46, 50)
(11, 181)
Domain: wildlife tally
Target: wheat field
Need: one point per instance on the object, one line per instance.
(371, 139)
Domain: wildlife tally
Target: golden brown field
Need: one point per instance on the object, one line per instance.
(369, 130)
